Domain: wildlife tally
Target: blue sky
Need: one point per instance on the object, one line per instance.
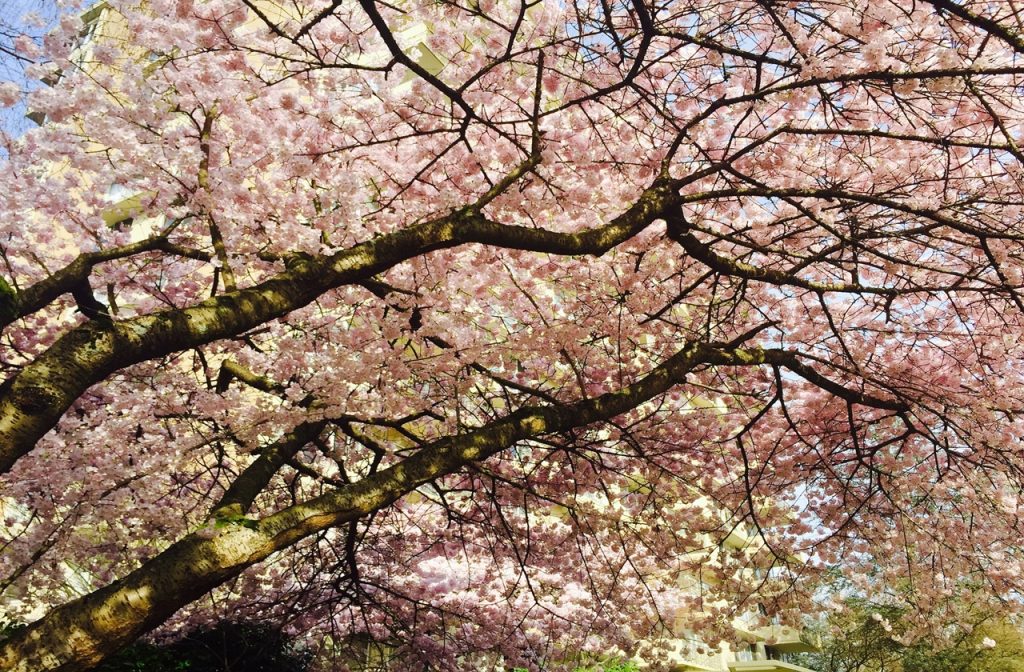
(12, 12)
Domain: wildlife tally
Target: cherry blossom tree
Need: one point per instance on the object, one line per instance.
(478, 329)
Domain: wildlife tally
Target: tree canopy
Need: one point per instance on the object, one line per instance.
(479, 328)
(874, 638)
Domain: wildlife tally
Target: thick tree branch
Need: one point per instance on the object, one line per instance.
(83, 632)
(34, 399)
(240, 496)
(66, 280)
(986, 24)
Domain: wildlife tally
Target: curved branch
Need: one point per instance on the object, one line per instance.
(984, 23)
(34, 399)
(83, 632)
(68, 279)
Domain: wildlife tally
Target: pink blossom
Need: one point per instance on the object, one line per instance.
(10, 94)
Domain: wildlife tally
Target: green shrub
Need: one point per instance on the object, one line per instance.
(227, 647)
